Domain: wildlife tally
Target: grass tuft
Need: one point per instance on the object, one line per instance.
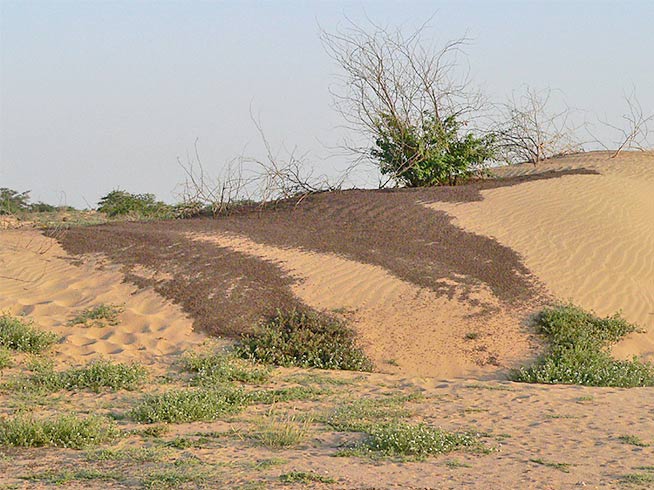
(275, 432)
(61, 431)
(5, 358)
(98, 316)
(305, 477)
(19, 334)
(216, 368)
(305, 340)
(579, 351)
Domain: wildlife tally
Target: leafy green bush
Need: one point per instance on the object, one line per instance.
(189, 405)
(429, 154)
(18, 334)
(412, 440)
(578, 351)
(12, 201)
(120, 203)
(305, 340)
(61, 431)
(215, 368)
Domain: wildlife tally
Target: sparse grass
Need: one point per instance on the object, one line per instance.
(305, 477)
(305, 340)
(291, 393)
(361, 415)
(60, 431)
(278, 432)
(637, 478)
(98, 316)
(5, 358)
(60, 477)
(216, 368)
(189, 405)
(136, 454)
(156, 430)
(166, 478)
(471, 336)
(632, 440)
(455, 463)
(96, 376)
(412, 440)
(579, 351)
(19, 334)
(564, 467)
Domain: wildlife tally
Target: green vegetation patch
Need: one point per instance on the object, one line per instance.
(96, 376)
(5, 358)
(279, 432)
(416, 441)
(216, 368)
(305, 477)
(305, 340)
(190, 405)
(61, 431)
(361, 415)
(61, 477)
(578, 351)
(19, 334)
(98, 316)
(139, 206)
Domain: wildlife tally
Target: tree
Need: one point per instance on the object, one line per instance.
(12, 201)
(528, 130)
(411, 103)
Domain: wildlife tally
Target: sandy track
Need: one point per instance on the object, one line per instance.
(588, 238)
(403, 328)
(38, 279)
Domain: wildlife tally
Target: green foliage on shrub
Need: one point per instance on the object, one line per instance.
(417, 441)
(61, 431)
(12, 201)
(121, 203)
(96, 376)
(578, 351)
(189, 405)
(216, 368)
(432, 153)
(20, 335)
(305, 340)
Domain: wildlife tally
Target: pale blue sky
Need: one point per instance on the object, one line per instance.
(98, 95)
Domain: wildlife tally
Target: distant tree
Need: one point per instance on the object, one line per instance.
(12, 201)
(410, 101)
(119, 202)
(41, 207)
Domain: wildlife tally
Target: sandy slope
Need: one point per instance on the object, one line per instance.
(38, 279)
(403, 328)
(589, 238)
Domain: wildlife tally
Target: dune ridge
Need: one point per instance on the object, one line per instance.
(403, 327)
(588, 238)
(39, 280)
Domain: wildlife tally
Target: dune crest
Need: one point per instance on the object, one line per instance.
(403, 328)
(588, 238)
(39, 280)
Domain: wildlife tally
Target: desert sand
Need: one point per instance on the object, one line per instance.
(588, 238)
(585, 236)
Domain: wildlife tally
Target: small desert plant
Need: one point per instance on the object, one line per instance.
(278, 432)
(140, 454)
(279, 395)
(305, 340)
(61, 477)
(215, 368)
(633, 440)
(414, 440)
(360, 415)
(98, 316)
(120, 203)
(579, 351)
(305, 477)
(19, 334)
(189, 405)
(5, 358)
(96, 375)
(61, 431)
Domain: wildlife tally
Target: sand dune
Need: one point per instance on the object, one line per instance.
(403, 328)
(39, 280)
(588, 238)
